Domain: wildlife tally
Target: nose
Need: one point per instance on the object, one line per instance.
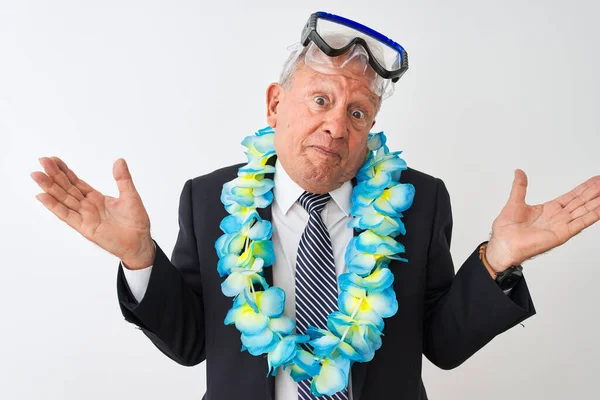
(336, 123)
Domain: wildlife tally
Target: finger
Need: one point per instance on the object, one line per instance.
(95, 199)
(80, 184)
(59, 177)
(519, 187)
(590, 200)
(123, 177)
(568, 197)
(53, 189)
(576, 206)
(70, 217)
(587, 219)
(588, 194)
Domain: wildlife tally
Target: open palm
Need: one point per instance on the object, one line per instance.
(522, 231)
(121, 225)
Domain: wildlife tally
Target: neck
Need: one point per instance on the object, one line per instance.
(315, 188)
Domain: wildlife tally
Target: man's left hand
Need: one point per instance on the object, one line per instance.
(522, 231)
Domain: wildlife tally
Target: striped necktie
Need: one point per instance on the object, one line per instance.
(316, 279)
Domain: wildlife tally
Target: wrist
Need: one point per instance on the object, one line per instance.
(495, 258)
(482, 257)
(143, 259)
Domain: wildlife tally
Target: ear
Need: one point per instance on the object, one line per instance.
(274, 92)
(372, 125)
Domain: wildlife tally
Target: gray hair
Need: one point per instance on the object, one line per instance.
(296, 57)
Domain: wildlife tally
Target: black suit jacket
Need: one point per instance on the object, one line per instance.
(444, 316)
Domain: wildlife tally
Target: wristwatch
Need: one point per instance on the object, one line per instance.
(506, 279)
(509, 278)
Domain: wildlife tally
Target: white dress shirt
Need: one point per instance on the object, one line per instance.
(288, 219)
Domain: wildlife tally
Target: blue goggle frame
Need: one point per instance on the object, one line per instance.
(309, 33)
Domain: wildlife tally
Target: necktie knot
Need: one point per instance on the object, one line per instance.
(313, 202)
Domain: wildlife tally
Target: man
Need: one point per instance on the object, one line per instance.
(321, 112)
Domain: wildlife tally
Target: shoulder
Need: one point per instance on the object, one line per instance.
(428, 188)
(215, 179)
(420, 178)
(411, 175)
(203, 192)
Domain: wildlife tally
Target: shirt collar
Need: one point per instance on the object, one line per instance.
(286, 191)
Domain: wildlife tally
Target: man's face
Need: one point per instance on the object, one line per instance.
(321, 126)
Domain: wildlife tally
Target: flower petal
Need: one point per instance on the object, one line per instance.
(348, 304)
(283, 353)
(250, 322)
(323, 341)
(259, 343)
(348, 351)
(307, 362)
(264, 249)
(232, 314)
(234, 284)
(362, 346)
(338, 322)
(226, 264)
(367, 315)
(230, 224)
(261, 230)
(330, 380)
(378, 182)
(272, 301)
(380, 279)
(282, 325)
(361, 264)
(384, 303)
(298, 374)
(351, 283)
(401, 196)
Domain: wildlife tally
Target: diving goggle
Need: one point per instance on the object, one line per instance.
(343, 41)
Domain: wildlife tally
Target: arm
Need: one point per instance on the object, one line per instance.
(466, 311)
(171, 312)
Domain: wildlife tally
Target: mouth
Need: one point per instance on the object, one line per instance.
(326, 151)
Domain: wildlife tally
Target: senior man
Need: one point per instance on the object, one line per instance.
(297, 256)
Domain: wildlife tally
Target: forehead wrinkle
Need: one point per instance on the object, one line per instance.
(319, 78)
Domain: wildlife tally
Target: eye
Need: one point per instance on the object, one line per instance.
(320, 100)
(358, 114)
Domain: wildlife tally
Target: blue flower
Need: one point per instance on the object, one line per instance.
(238, 232)
(368, 249)
(260, 145)
(380, 279)
(284, 352)
(331, 379)
(304, 365)
(394, 200)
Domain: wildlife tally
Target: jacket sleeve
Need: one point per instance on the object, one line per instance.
(463, 312)
(171, 312)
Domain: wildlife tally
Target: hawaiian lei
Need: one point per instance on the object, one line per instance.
(366, 292)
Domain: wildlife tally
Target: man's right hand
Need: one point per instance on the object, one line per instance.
(120, 226)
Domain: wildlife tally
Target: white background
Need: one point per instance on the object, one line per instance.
(174, 86)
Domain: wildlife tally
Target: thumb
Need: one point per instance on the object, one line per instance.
(123, 177)
(519, 187)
